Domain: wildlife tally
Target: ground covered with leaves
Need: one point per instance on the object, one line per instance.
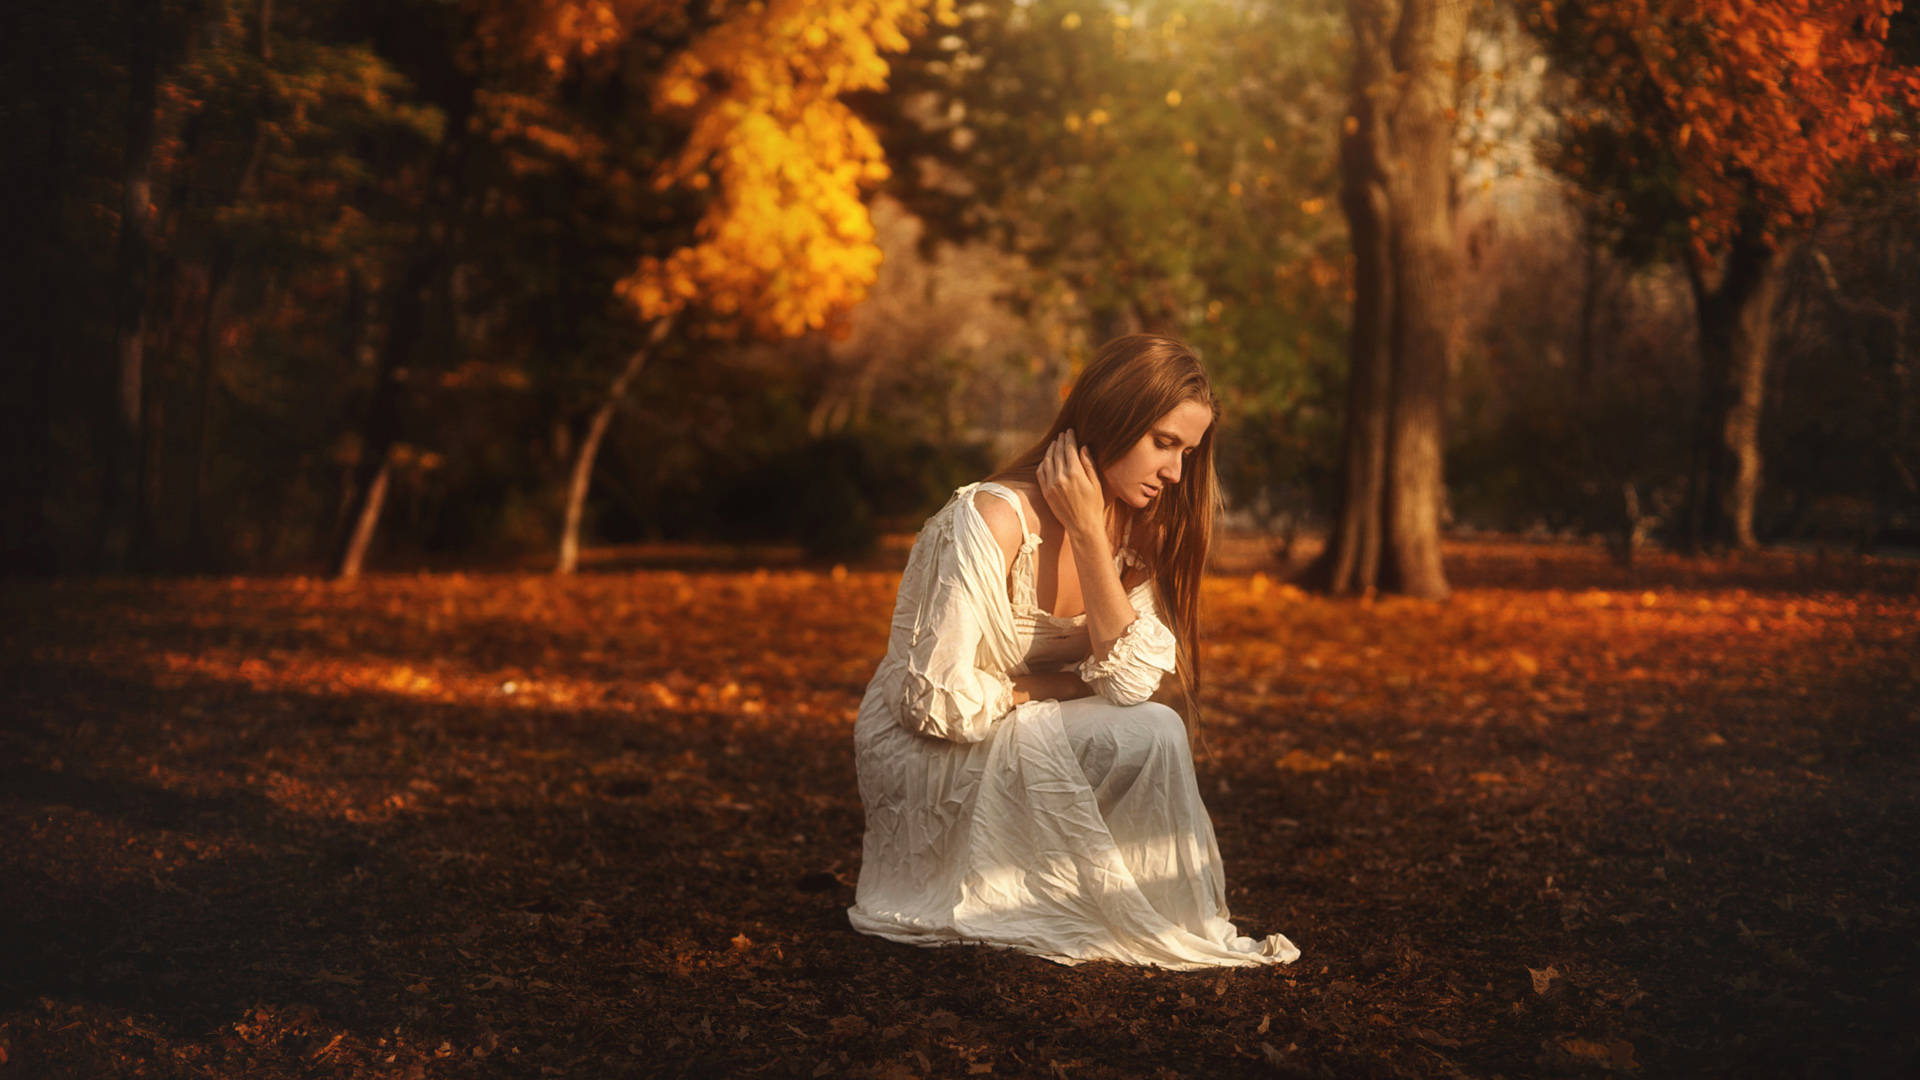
(1580, 819)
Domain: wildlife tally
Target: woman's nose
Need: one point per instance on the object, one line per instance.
(1172, 474)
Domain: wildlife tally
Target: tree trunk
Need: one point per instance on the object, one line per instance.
(582, 475)
(124, 476)
(367, 518)
(1735, 318)
(426, 259)
(1427, 48)
(382, 427)
(1351, 563)
(1396, 169)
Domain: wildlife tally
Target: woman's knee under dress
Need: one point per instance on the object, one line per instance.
(1137, 762)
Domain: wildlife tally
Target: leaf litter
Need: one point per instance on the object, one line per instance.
(1580, 819)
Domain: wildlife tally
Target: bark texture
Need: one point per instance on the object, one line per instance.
(1396, 181)
(1736, 321)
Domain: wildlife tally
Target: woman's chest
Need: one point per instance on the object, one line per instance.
(1056, 580)
(1047, 585)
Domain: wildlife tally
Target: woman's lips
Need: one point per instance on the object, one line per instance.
(1150, 489)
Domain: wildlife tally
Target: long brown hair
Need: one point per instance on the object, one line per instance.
(1131, 382)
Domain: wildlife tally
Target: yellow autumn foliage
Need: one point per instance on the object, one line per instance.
(785, 244)
(554, 33)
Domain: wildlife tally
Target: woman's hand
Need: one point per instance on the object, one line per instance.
(1070, 483)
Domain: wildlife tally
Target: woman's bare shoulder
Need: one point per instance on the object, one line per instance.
(1002, 520)
(1025, 491)
(1030, 501)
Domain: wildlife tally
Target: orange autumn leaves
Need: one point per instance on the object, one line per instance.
(503, 669)
(1759, 105)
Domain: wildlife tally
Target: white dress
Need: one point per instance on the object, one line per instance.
(1071, 830)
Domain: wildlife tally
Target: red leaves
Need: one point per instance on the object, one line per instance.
(1759, 104)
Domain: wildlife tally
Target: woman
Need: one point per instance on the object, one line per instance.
(1021, 789)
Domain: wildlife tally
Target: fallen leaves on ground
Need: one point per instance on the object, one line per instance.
(1580, 819)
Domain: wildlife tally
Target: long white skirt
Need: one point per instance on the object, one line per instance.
(1074, 832)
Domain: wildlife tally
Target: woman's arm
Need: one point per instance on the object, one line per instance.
(1071, 484)
(1109, 612)
(944, 690)
(1003, 521)
(1133, 670)
(1049, 686)
(1008, 531)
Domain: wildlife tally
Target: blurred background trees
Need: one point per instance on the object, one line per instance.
(1714, 135)
(315, 285)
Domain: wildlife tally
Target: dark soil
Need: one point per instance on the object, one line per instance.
(1576, 820)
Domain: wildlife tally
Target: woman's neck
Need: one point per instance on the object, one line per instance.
(1113, 513)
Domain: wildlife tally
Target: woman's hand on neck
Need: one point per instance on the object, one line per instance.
(1048, 524)
(1070, 484)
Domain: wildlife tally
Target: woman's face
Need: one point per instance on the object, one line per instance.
(1160, 457)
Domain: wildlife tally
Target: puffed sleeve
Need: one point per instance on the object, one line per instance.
(1130, 671)
(950, 690)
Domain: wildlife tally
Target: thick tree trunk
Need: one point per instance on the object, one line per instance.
(1426, 46)
(589, 451)
(1351, 563)
(1396, 169)
(1736, 320)
(124, 477)
(1751, 352)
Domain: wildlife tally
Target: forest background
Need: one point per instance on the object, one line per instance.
(297, 289)
(294, 284)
